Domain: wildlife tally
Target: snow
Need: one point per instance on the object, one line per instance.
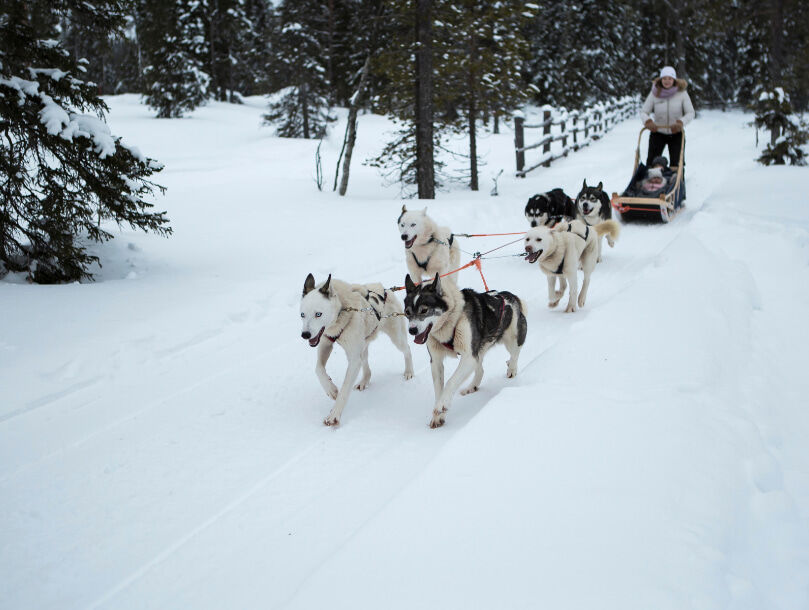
(161, 442)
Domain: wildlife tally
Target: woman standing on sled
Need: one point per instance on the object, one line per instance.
(669, 107)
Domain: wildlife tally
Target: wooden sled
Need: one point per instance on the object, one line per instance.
(662, 208)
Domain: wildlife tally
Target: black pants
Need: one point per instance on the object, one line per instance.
(658, 141)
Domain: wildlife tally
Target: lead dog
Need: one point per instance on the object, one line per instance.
(351, 315)
(593, 207)
(462, 323)
(429, 249)
(561, 251)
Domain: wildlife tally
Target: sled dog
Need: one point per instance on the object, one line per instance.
(429, 249)
(592, 207)
(464, 323)
(351, 315)
(560, 252)
(548, 208)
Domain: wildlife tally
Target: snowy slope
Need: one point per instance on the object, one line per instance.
(160, 435)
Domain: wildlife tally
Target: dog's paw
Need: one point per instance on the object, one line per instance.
(570, 308)
(438, 420)
(362, 385)
(332, 420)
(332, 392)
(611, 242)
(408, 375)
(581, 301)
(599, 259)
(553, 304)
(469, 390)
(511, 373)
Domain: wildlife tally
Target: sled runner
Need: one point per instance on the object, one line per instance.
(664, 205)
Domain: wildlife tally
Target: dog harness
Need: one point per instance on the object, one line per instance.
(429, 241)
(450, 345)
(586, 231)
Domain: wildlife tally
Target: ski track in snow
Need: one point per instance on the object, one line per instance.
(208, 429)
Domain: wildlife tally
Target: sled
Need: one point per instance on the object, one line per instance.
(660, 208)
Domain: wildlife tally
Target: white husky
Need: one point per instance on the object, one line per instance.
(560, 252)
(429, 249)
(351, 315)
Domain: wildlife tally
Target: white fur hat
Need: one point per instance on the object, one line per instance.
(668, 71)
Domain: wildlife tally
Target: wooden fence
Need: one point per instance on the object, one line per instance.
(565, 131)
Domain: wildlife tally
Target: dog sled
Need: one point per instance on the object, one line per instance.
(662, 206)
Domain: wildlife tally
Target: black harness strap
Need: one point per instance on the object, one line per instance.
(560, 267)
(420, 264)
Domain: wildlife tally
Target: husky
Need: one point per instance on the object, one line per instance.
(548, 208)
(592, 207)
(429, 249)
(562, 251)
(351, 315)
(463, 323)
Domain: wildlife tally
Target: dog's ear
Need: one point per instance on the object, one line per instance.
(600, 186)
(409, 285)
(324, 289)
(437, 285)
(585, 184)
(404, 209)
(308, 285)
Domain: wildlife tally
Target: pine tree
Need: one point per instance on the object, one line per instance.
(787, 135)
(63, 175)
(301, 108)
(486, 51)
(172, 37)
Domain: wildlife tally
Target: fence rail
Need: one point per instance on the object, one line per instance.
(580, 128)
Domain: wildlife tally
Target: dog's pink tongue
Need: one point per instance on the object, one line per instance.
(422, 337)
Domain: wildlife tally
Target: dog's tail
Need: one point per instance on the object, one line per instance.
(610, 228)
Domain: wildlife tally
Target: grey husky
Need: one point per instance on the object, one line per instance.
(462, 323)
(351, 315)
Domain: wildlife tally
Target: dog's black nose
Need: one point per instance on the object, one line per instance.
(306, 334)
(413, 330)
(533, 223)
(529, 249)
(404, 237)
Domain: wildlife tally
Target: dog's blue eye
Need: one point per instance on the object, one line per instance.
(318, 314)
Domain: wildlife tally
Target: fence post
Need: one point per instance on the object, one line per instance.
(519, 143)
(546, 130)
(564, 138)
(586, 126)
(575, 120)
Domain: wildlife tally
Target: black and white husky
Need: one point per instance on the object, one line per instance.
(462, 323)
(351, 315)
(429, 249)
(593, 207)
(549, 208)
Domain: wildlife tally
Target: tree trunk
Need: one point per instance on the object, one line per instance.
(425, 168)
(776, 42)
(351, 128)
(304, 102)
(472, 114)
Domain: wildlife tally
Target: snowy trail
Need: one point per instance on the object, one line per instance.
(175, 457)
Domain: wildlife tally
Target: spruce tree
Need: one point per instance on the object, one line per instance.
(301, 109)
(63, 175)
(173, 44)
(483, 41)
(787, 134)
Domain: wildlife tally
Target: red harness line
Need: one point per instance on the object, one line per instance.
(476, 260)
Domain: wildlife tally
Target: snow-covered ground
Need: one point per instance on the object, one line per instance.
(161, 443)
